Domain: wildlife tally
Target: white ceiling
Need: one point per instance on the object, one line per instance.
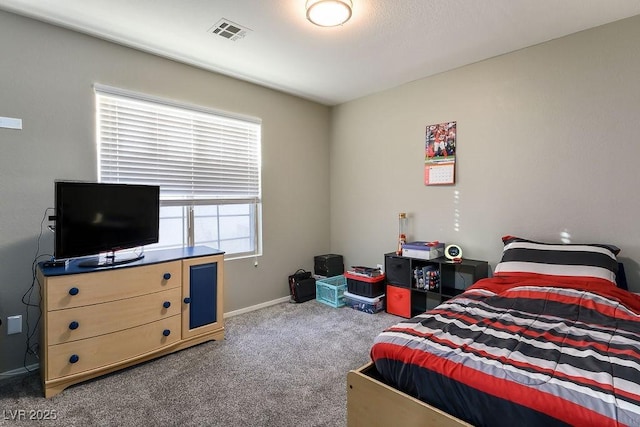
(385, 44)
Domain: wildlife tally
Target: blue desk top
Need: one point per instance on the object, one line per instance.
(150, 257)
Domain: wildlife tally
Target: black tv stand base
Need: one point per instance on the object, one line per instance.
(109, 260)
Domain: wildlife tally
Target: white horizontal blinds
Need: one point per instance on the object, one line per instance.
(191, 154)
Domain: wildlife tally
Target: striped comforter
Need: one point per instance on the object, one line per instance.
(522, 352)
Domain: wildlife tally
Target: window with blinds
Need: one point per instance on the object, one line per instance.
(207, 164)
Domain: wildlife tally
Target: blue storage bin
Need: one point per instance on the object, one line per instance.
(331, 290)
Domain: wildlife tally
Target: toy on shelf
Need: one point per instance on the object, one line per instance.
(402, 231)
(427, 277)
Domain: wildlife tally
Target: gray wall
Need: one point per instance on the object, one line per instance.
(46, 78)
(548, 146)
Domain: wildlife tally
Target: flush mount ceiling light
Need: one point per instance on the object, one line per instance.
(328, 13)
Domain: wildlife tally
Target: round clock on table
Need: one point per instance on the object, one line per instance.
(453, 252)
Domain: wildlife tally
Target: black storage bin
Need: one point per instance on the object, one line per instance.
(328, 265)
(398, 270)
(369, 287)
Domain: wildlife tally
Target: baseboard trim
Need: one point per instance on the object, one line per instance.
(19, 371)
(256, 307)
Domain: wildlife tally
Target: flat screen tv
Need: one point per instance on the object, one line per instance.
(93, 218)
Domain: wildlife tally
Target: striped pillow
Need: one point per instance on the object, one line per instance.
(521, 256)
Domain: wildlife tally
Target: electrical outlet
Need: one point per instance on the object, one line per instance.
(14, 324)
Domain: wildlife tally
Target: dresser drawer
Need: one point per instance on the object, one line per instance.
(88, 321)
(76, 290)
(91, 353)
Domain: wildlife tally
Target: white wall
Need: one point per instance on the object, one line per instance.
(548, 143)
(46, 78)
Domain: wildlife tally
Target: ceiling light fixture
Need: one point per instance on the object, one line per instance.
(328, 13)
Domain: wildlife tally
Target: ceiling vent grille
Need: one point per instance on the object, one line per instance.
(229, 30)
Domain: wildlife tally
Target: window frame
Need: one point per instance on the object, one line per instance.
(253, 198)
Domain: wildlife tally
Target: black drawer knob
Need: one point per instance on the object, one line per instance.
(166, 332)
(187, 300)
(74, 291)
(166, 304)
(73, 325)
(166, 276)
(74, 358)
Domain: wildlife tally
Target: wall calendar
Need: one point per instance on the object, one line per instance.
(440, 154)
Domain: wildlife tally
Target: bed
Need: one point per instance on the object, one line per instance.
(552, 339)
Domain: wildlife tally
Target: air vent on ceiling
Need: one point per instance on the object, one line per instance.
(229, 30)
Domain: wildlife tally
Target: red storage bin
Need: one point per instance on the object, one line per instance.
(399, 301)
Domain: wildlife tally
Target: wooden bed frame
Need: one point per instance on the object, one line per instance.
(371, 403)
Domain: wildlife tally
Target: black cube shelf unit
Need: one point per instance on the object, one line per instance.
(405, 299)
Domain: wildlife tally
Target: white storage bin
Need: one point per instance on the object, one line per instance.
(368, 305)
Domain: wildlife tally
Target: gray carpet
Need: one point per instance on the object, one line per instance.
(283, 365)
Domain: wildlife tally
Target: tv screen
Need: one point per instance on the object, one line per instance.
(92, 218)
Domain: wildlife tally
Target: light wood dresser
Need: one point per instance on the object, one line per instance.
(100, 320)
